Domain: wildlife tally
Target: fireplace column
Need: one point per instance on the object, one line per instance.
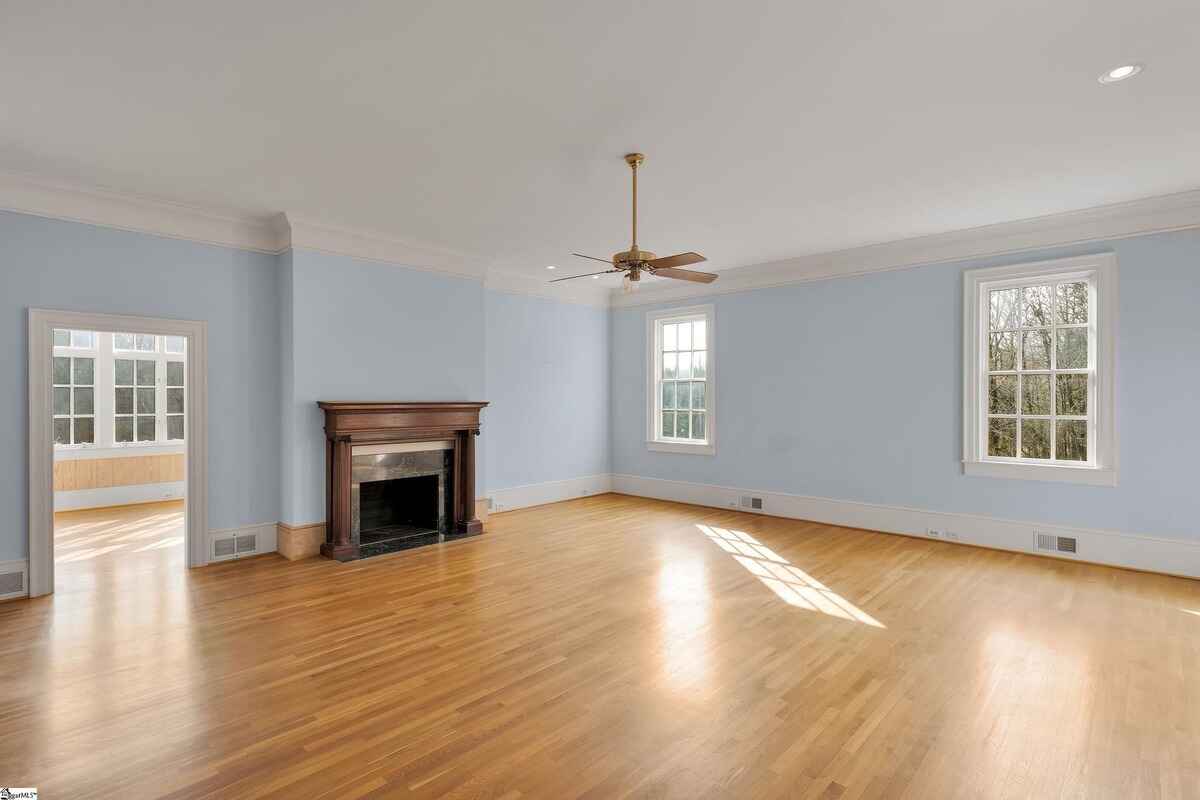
(337, 540)
(466, 496)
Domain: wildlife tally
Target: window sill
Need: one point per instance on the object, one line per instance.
(697, 449)
(1091, 476)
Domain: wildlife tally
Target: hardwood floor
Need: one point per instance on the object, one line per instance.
(612, 647)
(115, 546)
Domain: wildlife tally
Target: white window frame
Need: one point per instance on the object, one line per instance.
(1100, 271)
(654, 323)
(160, 356)
(73, 351)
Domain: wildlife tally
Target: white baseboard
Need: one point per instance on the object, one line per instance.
(536, 494)
(1115, 548)
(266, 539)
(119, 495)
(8, 572)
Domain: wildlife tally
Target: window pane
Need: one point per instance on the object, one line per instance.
(85, 430)
(62, 370)
(145, 401)
(123, 429)
(122, 341)
(1071, 394)
(145, 342)
(697, 425)
(682, 428)
(175, 427)
(1072, 352)
(84, 371)
(700, 335)
(62, 431)
(1072, 303)
(1003, 312)
(145, 429)
(1002, 351)
(83, 339)
(668, 395)
(1035, 350)
(700, 365)
(174, 344)
(62, 400)
(1035, 310)
(85, 401)
(1071, 440)
(174, 373)
(174, 401)
(1035, 394)
(1002, 394)
(62, 338)
(685, 366)
(668, 423)
(145, 373)
(698, 397)
(124, 400)
(669, 337)
(669, 366)
(683, 395)
(1002, 437)
(123, 372)
(685, 336)
(1035, 438)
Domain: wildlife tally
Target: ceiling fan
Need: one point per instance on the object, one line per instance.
(633, 262)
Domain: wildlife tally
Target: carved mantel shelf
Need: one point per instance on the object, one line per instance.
(348, 424)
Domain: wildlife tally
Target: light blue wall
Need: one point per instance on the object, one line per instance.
(64, 265)
(547, 380)
(361, 330)
(852, 389)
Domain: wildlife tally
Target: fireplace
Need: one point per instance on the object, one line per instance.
(399, 475)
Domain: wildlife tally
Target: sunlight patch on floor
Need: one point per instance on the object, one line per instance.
(790, 584)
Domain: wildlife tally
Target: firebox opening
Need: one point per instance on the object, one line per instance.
(398, 507)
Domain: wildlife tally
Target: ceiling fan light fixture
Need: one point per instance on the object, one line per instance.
(1121, 73)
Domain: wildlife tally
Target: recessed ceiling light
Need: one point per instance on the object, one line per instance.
(551, 267)
(595, 277)
(1123, 72)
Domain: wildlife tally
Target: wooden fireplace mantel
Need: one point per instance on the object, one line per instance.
(351, 423)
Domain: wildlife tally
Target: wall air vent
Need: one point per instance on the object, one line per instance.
(1049, 543)
(246, 544)
(12, 584)
(754, 503)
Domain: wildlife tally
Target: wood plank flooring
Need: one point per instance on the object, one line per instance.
(613, 647)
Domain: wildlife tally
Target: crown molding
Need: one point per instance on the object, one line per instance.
(516, 283)
(27, 195)
(306, 234)
(1118, 221)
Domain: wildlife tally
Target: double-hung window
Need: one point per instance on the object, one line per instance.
(679, 386)
(118, 389)
(1040, 371)
(74, 392)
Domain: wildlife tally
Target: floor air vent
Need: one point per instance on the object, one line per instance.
(1049, 543)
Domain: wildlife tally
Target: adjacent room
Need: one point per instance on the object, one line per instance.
(590, 400)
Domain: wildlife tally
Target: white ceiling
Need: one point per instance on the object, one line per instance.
(496, 129)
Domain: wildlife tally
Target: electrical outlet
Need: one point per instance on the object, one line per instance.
(952, 535)
(934, 532)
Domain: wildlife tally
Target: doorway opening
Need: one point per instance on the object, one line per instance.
(117, 422)
(118, 408)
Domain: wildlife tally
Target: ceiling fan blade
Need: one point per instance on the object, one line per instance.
(573, 277)
(593, 258)
(685, 274)
(677, 260)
